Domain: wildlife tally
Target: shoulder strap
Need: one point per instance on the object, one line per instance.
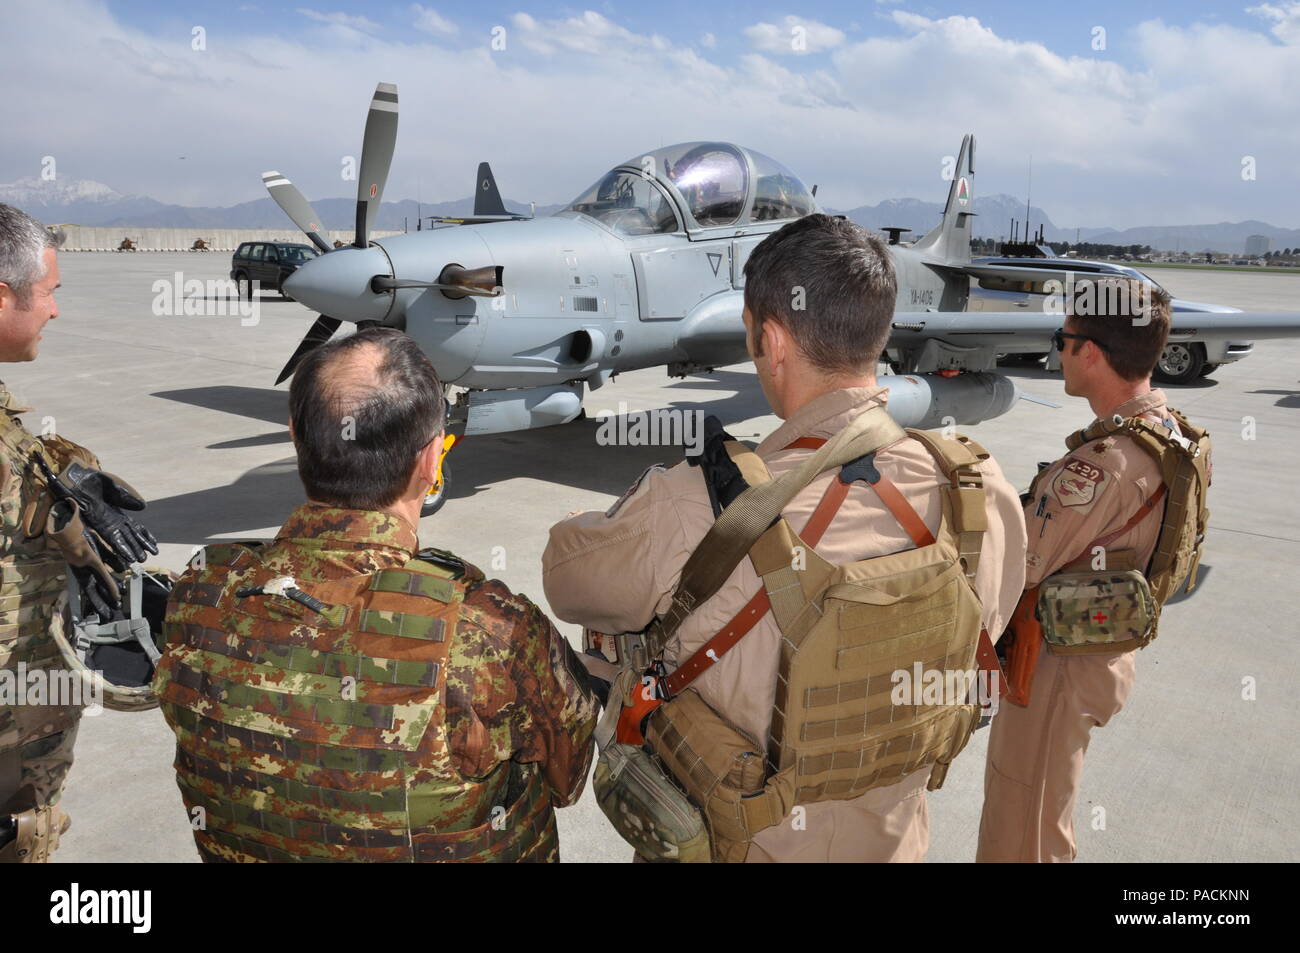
(959, 458)
(735, 531)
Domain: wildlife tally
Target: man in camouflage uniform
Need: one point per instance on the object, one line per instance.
(36, 741)
(1100, 493)
(337, 694)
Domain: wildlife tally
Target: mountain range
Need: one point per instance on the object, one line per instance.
(86, 202)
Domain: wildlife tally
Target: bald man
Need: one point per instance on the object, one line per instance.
(338, 693)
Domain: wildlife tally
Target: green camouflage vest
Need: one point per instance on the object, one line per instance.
(33, 583)
(320, 736)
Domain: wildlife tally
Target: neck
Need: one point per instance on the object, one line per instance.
(406, 509)
(805, 391)
(1113, 393)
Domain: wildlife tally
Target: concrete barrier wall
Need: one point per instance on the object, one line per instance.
(104, 238)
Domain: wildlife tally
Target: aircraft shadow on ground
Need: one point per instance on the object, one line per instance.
(262, 497)
(1289, 398)
(568, 455)
(257, 403)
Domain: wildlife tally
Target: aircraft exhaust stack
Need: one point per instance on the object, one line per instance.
(486, 280)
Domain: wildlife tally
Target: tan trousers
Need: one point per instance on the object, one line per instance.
(1035, 756)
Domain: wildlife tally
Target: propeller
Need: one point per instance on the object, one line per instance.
(377, 148)
(376, 157)
(293, 204)
(316, 335)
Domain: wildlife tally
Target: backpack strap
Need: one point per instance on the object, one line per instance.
(753, 511)
(959, 459)
(784, 596)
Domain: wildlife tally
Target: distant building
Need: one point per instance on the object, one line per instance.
(1256, 245)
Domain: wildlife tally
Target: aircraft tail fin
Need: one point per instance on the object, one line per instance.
(949, 241)
(487, 199)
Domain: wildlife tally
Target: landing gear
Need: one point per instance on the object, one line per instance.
(437, 495)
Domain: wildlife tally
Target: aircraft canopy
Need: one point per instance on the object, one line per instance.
(717, 184)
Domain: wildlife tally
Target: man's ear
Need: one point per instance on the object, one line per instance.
(427, 461)
(776, 341)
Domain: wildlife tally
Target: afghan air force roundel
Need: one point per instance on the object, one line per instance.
(1076, 484)
(963, 192)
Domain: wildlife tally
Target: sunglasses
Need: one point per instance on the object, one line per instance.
(1060, 334)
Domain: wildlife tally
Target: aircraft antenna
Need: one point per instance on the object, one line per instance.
(1029, 191)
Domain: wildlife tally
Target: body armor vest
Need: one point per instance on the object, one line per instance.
(1084, 610)
(33, 582)
(850, 634)
(319, 735)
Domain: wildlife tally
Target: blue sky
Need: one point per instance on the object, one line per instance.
(1156, 128)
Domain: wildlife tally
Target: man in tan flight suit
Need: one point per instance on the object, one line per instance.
(614, 571)
(1035, 753)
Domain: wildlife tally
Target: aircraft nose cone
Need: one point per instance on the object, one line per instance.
(337, 283)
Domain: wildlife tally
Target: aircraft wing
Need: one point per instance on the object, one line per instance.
(926, 341)
(477, 219)
(1033, 327)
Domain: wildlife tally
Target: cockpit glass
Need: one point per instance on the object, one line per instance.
(713, 178)
(628, 203)
(778, 193)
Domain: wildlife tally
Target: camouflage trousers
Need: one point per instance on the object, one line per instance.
(46, 763)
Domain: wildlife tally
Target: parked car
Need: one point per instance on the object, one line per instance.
(1188, 355)
(267, 262)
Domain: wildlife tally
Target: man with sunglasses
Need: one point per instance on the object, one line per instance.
(1095, 513)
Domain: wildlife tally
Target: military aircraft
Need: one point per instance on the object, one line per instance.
(645, 268)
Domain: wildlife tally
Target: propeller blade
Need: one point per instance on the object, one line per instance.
(316, 335)
(376, 157)
(293, 204)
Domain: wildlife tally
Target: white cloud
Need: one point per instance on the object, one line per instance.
(708, 41)
(797, 36)
(345, 20)
(1154, 138)
(429, 20)
(1285, 18)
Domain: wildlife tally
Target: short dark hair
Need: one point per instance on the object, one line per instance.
(844, 278)
(357, 433)
(1130, 319)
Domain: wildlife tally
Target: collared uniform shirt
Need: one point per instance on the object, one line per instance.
(614, 571)
(1093, 491)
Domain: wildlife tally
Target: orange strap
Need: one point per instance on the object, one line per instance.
(711, 652)
(1136, 518)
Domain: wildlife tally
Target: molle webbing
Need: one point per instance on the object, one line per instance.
(320, 736)
(734, 532)
(845, 633)
(1183, 459)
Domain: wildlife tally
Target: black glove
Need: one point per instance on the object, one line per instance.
(102, 497)
(96, 596)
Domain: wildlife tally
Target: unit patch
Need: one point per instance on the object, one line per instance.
(1076, 484)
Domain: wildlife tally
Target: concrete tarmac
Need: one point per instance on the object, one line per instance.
(1201, 766)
